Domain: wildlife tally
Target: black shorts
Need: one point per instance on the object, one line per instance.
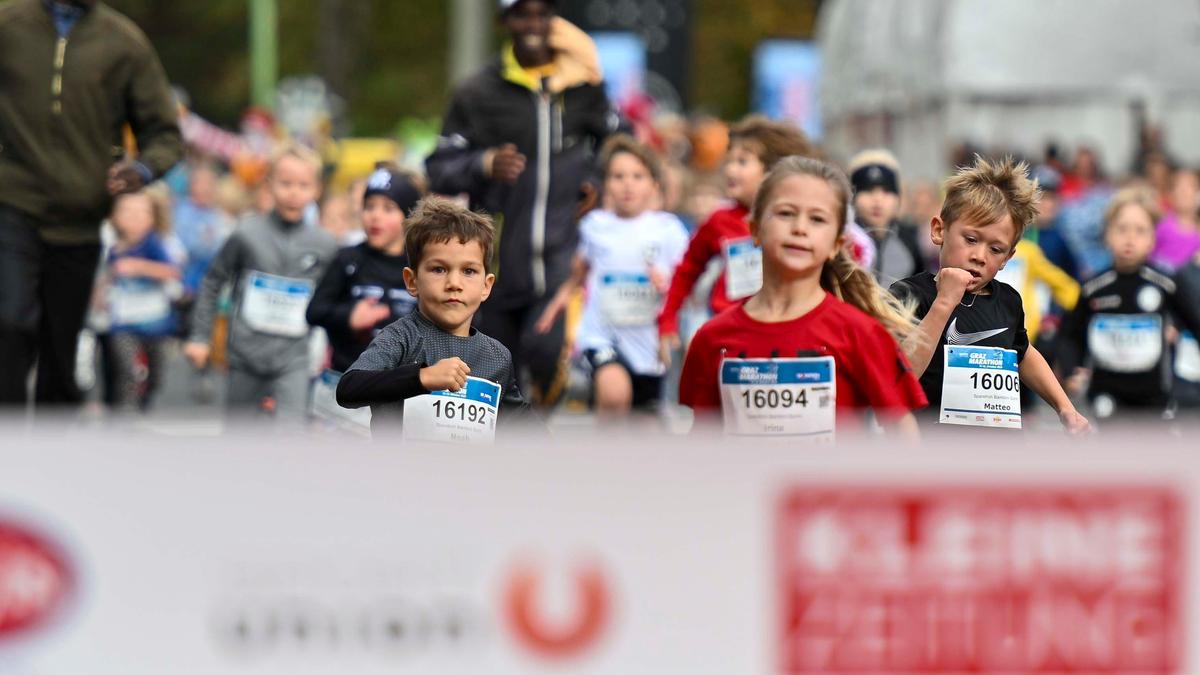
(647, 389)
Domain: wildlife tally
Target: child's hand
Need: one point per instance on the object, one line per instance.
(660, 281)
(197, 353)
(546, 321)
(1075, 384)
(126, 267)
(667, 345)
(368, 312)
(1074, 423)
(448, 373)
(952, 283)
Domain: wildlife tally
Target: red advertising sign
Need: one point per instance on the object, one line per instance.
(981, 580)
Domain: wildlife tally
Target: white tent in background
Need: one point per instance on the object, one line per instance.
(922, 76)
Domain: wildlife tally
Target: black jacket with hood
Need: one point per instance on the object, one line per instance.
(558, 123)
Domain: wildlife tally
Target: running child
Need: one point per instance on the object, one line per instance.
(626, 255)
(973, 355)
(431, 370)
(755, 144)
(136, 286)
(273, 261)
(816, 346)
(1120, 327)
(875, 176)
(363, 290)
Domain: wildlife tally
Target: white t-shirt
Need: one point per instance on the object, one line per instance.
(622, 307)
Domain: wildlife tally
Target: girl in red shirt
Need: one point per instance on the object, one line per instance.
(817, 344)
(755, 144)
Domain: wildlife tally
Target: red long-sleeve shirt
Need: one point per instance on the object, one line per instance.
(721, 226)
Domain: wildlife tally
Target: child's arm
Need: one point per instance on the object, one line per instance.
(1064, 289)
(904, 428)
(224, 269)
(579, 272)
(1036, 374)
(951, 284)
(144, 267)
(701, 249)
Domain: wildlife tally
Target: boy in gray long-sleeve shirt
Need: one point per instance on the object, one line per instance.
(274, 262)
(435, 349)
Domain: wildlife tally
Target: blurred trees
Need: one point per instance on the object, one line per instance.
(388, 58)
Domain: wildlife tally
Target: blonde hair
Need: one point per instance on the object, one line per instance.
(1137, 196)
(989, 190)
(160, 205)
(769, 140)
(841, 276)
(300, 152)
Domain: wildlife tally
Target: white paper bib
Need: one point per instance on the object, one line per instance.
(276, 305)
(779, 397)
(465, 416)
(981, 386)
(135, 306)
(1126, 343)
(628, 299)
(743, 268)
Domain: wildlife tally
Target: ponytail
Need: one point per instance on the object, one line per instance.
(851, 284)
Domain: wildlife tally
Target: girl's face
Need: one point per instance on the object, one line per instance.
(383, 222)
(628, 185)
(133, 217)
(1185, 193)
(799, 231)
(1130, 236)
(744, 172)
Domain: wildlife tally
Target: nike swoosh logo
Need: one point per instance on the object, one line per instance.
(954, 337)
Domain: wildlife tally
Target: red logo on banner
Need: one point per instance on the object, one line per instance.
(35, 580)
(982, 580)
(568, 638)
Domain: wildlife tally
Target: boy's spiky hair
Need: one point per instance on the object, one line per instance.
(987, 191)
(437, 220)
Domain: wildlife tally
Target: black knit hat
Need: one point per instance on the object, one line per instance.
(394, 185)
(506, 5)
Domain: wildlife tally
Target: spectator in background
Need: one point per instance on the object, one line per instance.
(338, 219)
(74, 74)
(519, 140)
(921, 203)
(1179, 230)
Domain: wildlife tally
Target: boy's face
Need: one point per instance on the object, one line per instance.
(450, 283)
(877, 207)
(294, 186)
(383, 221)
(981, 249)
(744, 172)
(1130, 237)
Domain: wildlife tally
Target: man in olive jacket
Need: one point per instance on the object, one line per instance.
(73, 74)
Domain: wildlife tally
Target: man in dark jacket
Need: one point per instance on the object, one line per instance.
(73, 74)
(519, 139)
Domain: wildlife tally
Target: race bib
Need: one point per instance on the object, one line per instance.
(981, 387)
(1187, 358)
(743, 268)
(325, 409)
(779, 397)
(138, 305)
(276, 305)
(1126, 343)
(628, 299)
(464, 416)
